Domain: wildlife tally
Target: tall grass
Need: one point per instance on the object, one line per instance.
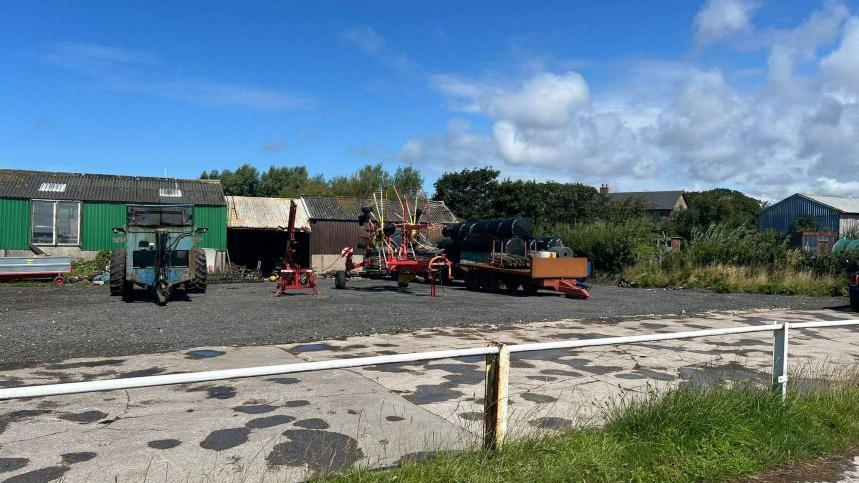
(686, 434)
(731, 278)
(717, 258)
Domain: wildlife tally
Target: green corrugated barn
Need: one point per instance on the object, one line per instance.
(73, 213)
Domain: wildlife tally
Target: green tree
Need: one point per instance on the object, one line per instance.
(408, 180)
(469, 193)
(719, 206)
(804, 224)
(243, 182)
(363, 182)
(317, 185)
(284, 182)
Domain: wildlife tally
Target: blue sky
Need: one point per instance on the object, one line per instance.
(756, 95)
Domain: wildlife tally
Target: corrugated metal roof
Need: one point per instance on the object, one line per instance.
(348, 209)
(16, 183)
(844, 204)
(659, 200)
(264, 213)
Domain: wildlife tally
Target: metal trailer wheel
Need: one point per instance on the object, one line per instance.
(511, 284)
(489, 282)
(340, 280)
(531, 289)
(466, 280)
(118, 285)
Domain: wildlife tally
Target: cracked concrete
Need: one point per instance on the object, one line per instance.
(288, 427)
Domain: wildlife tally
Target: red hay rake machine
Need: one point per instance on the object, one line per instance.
(292, 276)
(396, 249)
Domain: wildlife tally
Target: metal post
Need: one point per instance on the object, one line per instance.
(495, 399)
(779, 372)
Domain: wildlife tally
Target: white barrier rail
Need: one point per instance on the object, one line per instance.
(497, 360)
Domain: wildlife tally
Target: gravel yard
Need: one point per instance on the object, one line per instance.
(43, 324)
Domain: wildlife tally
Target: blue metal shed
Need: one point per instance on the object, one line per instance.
(831, 213)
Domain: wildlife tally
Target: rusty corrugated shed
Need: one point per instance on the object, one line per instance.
(329, 237)
(338, 208)
(16, 183)
(264, 213)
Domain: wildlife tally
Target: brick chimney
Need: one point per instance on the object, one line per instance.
(604, 189)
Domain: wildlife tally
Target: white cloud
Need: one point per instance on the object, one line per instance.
(84, 55)
(369, 41)
(136, 71)
(273, 145)
(544, 101)
(719, 19)
(795, 129)
(365, 38)
(842, 65)
(836, 187)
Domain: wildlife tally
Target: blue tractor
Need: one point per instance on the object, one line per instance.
(160, 253)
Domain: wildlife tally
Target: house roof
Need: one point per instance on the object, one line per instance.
(844, 204)
(338, 208)
(658, 200)
(264, 213)
(15, 183)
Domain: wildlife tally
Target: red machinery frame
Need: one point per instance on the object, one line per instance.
(399, 258)
(292, 276)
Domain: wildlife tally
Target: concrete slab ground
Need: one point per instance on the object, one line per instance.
(289, 427)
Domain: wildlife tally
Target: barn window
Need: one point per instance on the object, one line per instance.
(56, 222)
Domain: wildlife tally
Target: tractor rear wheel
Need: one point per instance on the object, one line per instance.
(198, 285)
(340, 280)
(118, 284)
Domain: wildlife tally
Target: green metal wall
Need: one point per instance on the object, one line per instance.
(15, 224)
(215, 219)
(97, 222)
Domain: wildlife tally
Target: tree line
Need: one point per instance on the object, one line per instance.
(473, 194)
(294, 181)
(479, 193)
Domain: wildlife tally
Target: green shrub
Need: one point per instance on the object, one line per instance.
(609, 246)
(85, 268)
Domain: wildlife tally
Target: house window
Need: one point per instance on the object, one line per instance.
(56, 222)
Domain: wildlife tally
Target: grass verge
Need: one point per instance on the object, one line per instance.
(686, 434)
(729, 279)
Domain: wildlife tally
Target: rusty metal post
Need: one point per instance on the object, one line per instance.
(495, 398)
